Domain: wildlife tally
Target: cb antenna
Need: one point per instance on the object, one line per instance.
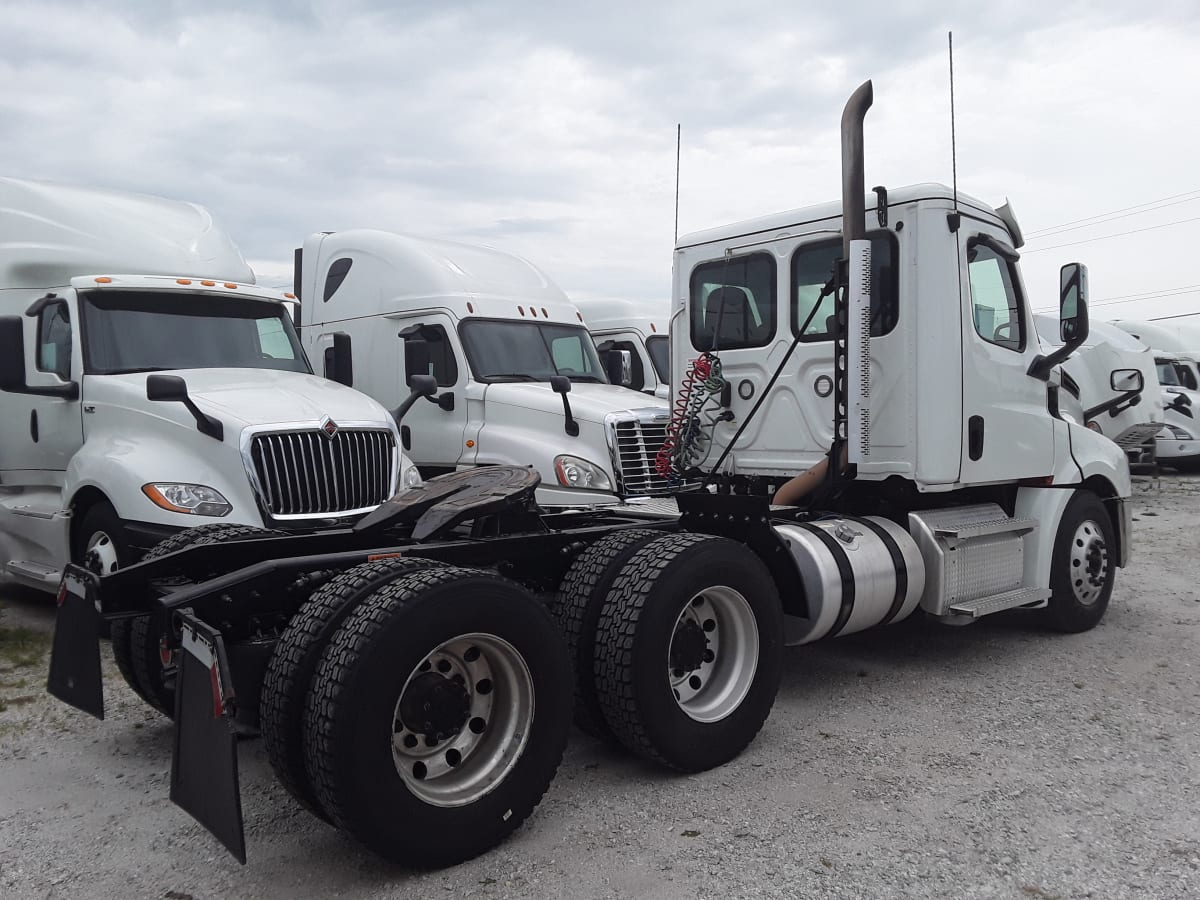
(953, 143)
(678, 143)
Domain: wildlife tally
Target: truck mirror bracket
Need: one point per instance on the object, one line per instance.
(561, 384)
(172, 388)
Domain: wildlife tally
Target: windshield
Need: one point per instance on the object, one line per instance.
(530, 351)
(1166, 373)
(149, 331)
(660, 354)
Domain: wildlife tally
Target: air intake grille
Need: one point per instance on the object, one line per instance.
(637, 443)
(305, 473)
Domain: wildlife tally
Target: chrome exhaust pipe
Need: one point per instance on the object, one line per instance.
(854, 190)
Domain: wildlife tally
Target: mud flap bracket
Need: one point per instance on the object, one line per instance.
(204, 768)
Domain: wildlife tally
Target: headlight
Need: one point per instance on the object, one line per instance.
(1179, 433)
(574, 472)
(411, 477)
(190, 499)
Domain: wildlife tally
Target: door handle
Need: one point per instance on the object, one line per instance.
(33, 425)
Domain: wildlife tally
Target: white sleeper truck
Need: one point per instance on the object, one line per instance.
(148, 386)
(639, 329)
(420, 698)
(519, 380)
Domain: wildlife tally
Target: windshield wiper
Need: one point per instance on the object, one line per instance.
(512, 376)
(592, 379)
(142, 369)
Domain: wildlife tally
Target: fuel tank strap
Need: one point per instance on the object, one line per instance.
(893, 550)
(844, 570)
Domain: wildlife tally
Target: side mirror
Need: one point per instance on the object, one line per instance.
(416, 358)
(1072, 319)
(172, 388)
(339, 360)
(1072, 303)
(420, 386)
(12, 354)
(166, 387)
(618, 365)
(561, 384)
(1127, 380)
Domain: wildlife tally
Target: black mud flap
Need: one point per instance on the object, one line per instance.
(204, 769)
(75, 676)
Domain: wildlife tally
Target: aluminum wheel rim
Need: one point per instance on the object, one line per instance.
(466, 765)
(712, 690)
(1089, 562)
(101, 554)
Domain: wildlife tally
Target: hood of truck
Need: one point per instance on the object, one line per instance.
(241, 397)
(589, 402)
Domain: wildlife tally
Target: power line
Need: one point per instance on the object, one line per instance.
(1104, 220)
(1112, 213)
(1105, 237)
(1161, 294)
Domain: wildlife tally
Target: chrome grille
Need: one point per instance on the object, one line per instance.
(305, 473)
(636, 444)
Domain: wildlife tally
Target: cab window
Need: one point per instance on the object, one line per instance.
(54, 340)
(995, 300)
(733, 303)
(442, 364)
(813, 267)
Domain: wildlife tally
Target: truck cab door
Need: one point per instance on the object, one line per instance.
(1008, 432)
(41, 433)
(433, 430)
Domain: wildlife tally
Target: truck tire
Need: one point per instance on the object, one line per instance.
(1083, 566)
(689, 651)
(137, 641)
(469, 676)
(294, 660)
(577, 606)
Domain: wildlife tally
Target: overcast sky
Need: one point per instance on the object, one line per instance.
(548, 129)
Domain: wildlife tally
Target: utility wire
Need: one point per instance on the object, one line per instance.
(1131, 298)
(1104, 220)
(1112, 213)
(1105, 237)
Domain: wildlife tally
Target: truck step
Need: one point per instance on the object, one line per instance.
(982, 606)
(1001, 525)
(34, 571)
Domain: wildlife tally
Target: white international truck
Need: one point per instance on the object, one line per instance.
(1178, 444)
(1110, 385)
(639, 329)
(420, 698)
(519, 380)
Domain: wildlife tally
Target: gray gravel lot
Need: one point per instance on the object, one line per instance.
(998, 760)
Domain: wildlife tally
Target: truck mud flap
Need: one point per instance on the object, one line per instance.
(75, 676)
(204, 768)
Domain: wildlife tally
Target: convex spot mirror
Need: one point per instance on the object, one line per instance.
(1072, 303)
(1126, 380)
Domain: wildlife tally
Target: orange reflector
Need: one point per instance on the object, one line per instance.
(183, 281)
(377, 556)
(289, 296)
(208, 283)
(103, 279)
(470, 443)
(230, 284)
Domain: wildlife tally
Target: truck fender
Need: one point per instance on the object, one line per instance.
(1046, 505)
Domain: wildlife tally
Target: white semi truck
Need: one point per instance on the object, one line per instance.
(639, 329)
(419, 699)
(1110, 385)
(519, 380)
(1178, 444)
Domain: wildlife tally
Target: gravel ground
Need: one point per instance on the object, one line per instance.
(998, 760)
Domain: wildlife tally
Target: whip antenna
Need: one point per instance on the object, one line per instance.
(953, 144)
(678, 143)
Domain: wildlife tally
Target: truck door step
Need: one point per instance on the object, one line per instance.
(34, 571)
(1003, 525)
(982, 606)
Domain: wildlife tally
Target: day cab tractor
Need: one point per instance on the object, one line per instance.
(413, 675)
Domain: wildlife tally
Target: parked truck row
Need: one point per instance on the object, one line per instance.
(413, 672)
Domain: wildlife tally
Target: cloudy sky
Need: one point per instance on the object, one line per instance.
(549, 128)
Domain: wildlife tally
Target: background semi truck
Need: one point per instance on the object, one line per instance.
(519, 380)
(639, 329)
(419, 698)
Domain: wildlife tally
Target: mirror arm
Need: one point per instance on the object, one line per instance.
(205, 423)
(1041, 365)
(1112, 405)
(571, 426)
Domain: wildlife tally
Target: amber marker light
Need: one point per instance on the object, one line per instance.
(470, 443)
(230, 284)
(103, 279)
(209, 283)
(183, 281)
